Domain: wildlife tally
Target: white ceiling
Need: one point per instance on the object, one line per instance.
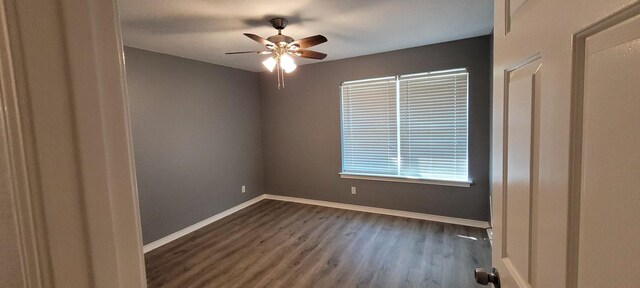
(206, 29)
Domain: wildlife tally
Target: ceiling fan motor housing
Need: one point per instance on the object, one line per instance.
(279, 23)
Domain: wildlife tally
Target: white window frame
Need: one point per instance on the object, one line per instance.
(398, 178)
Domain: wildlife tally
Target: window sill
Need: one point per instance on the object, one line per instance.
(405, 179)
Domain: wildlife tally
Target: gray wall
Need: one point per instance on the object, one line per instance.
(196, 136)
(301, 131)
(200, 131)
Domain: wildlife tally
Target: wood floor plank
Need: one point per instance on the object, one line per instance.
(303, 243)
(262, 240)
(204, 246)
(283, 244)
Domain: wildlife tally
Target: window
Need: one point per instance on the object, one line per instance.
(410, 128)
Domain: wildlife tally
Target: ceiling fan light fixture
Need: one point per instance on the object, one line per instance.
(287, 63)
(270, 63)
(283, 48)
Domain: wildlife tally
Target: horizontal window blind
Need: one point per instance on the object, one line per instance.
(433, 126)
(369, 129)
(412, 126)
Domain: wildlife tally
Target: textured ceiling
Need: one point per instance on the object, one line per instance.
(206, 29)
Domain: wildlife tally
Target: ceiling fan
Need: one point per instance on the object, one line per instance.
(282, 47)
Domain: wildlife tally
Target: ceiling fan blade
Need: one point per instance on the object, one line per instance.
(243, 52)
(259, 39)
(310, 54)
(309, 41)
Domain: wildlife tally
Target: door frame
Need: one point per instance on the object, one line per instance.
(72, 173)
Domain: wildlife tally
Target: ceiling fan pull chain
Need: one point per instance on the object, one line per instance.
(278, 72)
(282, 71)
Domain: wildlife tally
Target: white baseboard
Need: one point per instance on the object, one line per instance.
(391, 212)
(205, 222)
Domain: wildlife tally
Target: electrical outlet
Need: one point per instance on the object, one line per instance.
(244, 188)
(353, 190)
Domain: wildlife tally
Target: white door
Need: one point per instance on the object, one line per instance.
(566, 143)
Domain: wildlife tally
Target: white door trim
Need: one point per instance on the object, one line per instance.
(34, 258)
(72, 161)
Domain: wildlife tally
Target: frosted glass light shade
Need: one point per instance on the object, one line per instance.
(270, 63)
(287, 63)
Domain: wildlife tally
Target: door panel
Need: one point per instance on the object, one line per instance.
(510, 10)
(514, 5)
(566, 215)
(520, 99)
(610, 158)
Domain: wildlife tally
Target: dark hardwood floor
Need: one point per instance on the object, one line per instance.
(283, 244)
